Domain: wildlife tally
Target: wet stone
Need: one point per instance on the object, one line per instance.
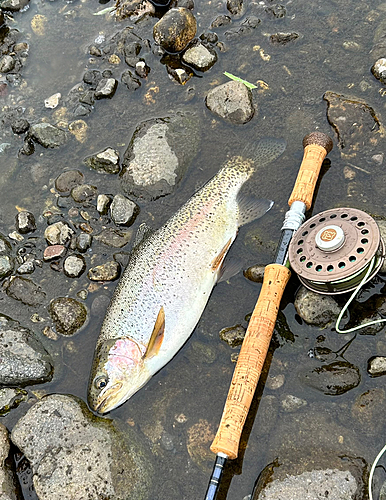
(8, 480)
(68, 315)
(24, 359)
(7, 265)
(76, 455)
(7, 63)
(200, 57)
(26, 291)
(233, 335)
(25, 222)
(54, 252)
(175, 29)
(376, 366)
(379, 69)
(83, 242)
(28, 267)
(142, 69)
(68, 180)
(333, 379)
(235, 7)
(48, 135)
(130, 81)
(20, 126)
(103, 202)
(116, 238)
(105, 162)
(123, 211)
(316, 309)
(221, 21)
(58, 233)
(245, 27)
(255, 273)
(11, 397)
(106, 88)
(105, 272)
(159, 153)
(5, 246)
(74, 266)
(84, 193)
(13, 5)
(232, 101)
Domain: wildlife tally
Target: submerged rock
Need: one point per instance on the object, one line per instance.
(47, 135)
(25, 290)
(76, 455)
(24, 361)
(105, 162)
(316, 309)
(68, 314)
(232, 101)
(333, 379)
(68, 180)
(332, 483)
(159, 153)
(367, 411)
(354, 121)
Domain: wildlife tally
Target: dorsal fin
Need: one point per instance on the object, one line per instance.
(157, 335)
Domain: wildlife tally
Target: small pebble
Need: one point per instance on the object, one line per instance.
(58, 233)
(74, 266)
(106, 272)
(83, 242)
(103, 202)
(54, 252)
(25, 222)
(53, 101)
(376, 366)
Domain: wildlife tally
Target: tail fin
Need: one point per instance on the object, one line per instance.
(266, 150)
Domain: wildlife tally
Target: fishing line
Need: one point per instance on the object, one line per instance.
(352, 297)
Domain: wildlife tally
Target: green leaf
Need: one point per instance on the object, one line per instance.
(237, 79)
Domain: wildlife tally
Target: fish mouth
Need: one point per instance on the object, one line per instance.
(108, 399)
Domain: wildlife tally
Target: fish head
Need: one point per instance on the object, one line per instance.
(117, 373)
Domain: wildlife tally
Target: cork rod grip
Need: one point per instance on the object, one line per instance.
(251, 360)
(308, 175)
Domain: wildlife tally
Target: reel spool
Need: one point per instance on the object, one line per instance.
(332, 251)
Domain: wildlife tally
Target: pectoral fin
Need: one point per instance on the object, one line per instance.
(157, 336)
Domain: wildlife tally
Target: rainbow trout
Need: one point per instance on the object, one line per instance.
(168, 280)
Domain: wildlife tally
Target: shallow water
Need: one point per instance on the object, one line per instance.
(194, 385)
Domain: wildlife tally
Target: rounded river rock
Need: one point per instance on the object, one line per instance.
(75, 455)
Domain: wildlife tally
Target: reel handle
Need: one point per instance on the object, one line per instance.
(250, 361)
(316, 147)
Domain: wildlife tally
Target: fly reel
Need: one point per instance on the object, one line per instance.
(332, 251)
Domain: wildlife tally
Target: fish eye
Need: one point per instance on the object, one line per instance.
(101, 382)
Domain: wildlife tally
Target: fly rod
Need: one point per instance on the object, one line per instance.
(262, 323)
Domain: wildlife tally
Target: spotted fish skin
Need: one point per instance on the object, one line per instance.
(168, 280)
